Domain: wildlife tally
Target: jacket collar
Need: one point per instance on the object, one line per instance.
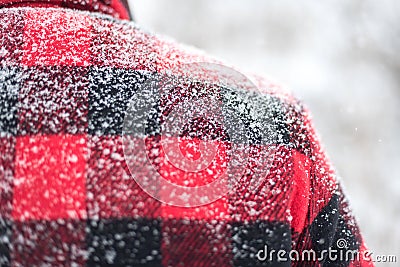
(114, 8)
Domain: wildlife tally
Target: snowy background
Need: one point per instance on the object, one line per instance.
(341, 57)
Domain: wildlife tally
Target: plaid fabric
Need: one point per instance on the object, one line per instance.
(66, 194)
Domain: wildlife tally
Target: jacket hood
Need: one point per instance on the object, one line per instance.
(115, 8)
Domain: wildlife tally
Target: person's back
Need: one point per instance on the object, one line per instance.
(79, 158)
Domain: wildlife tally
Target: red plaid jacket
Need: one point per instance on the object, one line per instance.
(67, 197)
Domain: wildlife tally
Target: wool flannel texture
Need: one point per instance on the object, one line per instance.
(67, 197)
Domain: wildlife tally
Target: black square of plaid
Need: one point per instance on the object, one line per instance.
(53, 100)
(5, 244)
(110, 91)
(261, 115)
(10, 83)
(124, 242)
(329, 231)
(249, 238)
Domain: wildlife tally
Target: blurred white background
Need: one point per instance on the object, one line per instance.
(341, 57)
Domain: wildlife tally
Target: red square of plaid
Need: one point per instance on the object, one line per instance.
(217, 210)
(49, 178)
(186, 161)
(62, 40)
(111, 190)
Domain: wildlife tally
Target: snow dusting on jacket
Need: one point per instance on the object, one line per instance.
(67, 196)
